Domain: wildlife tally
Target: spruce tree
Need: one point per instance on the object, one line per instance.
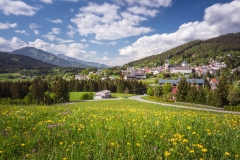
(222, 92)
(182, 90)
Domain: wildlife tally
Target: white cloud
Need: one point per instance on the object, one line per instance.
(107, 22)
(22, 32)
(218, 19)
(76, 50)
(71, 10)
(33, 26)
(56, 30)
(83, 40)
(46, 1)
(50, 37)
(71, 31)
(143, 11)
(55, 21)
(150, 3)
(96, 42)
(105, 58)
(105, 52)
(113, 43)
(7, 25)
(36, 32)
(10, 45)
(17, 8)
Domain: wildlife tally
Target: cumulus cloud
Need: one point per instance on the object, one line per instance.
(71, 31)
(97, 19)
(105, 58)
(218, 19)
(76, 50)
(10, 45)
(55, 30)
(150, 3)
(17, 8)
(36, 32)
(33, 26)
(143, 10)
(96, 42)
(46, 1)
(7, 25)
(55, 21)
(21, 31)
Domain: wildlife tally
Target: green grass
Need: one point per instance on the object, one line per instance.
(181, 103)
(116, 129)
(149, 80)
(14, 77)
(75, 96)
(122, 95)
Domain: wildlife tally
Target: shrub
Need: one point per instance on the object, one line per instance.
(87, 96)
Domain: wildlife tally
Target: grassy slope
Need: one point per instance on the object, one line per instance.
(123, 129)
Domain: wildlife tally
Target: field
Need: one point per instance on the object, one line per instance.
(75, 96)
(116, 129)
(9, 77)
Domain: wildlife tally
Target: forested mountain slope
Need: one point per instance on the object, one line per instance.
(16, 61)
(225, 48)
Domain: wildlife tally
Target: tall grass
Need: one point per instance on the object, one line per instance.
(120, 129)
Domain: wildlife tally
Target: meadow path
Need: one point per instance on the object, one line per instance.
(138, 98)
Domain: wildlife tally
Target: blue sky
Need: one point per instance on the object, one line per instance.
(113, 32)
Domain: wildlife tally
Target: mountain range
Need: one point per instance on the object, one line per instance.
(58, 60)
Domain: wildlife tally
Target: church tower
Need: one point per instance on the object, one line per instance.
(166, 64)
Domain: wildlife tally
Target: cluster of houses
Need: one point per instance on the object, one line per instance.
(184, 69)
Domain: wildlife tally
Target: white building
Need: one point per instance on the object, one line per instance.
(103, 94)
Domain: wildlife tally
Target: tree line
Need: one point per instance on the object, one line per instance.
(40, 91)
(224, 94)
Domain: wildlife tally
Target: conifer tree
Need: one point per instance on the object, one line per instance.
(61, 90)
(38, 88)
(221, 92)
(192, 93)
(182, 89)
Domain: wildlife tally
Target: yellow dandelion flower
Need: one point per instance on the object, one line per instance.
(22, 144)
(138, 144)
(193, 132)
(112, 144)
(188, 127)
(81, 142)
(236, 156)
(64, 159)
(227, 154)
(128, 143)
(191, 151)
(27, 155)
(166, 153)
(185, 140)
(61, 143)
(1, 152)
(204, 150)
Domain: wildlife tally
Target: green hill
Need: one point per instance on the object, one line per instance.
(225, 48)
(15, 62)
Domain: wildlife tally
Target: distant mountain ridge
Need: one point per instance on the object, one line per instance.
(94, 64)
(59, 60)
(13, 61)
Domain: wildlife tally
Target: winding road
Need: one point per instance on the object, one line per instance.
(138, 98)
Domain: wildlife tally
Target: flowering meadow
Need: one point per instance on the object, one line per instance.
(116, 129)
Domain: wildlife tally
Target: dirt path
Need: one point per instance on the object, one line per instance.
(138, 98)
